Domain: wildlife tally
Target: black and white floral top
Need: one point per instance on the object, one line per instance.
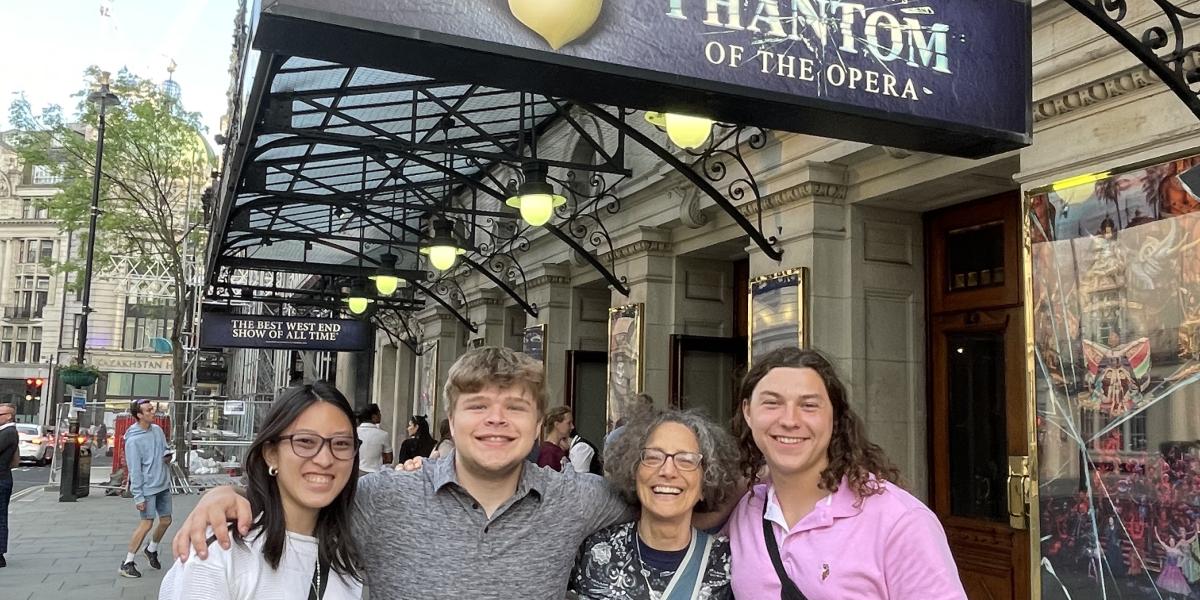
(608, 567)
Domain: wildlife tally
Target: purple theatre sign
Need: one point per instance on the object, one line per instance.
(225, 330)
(950, 76)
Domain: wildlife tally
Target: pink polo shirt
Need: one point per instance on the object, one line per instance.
(890, 547)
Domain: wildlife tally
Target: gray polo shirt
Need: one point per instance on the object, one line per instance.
(421, 535)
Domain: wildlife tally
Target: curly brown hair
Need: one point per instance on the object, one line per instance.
(851, 454)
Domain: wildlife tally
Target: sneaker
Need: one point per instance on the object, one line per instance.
(129, 570)
(153, 556)
(3, 563)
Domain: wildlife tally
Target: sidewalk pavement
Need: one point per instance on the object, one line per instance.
(73, 550)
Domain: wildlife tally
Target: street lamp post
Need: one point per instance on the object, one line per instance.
(70, 471)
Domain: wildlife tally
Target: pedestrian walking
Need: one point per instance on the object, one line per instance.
(10, 456)
(376, 449)
(499, 528)
(831, 489)
(556, 429)
(148, 459)
(301, 479)
(419, 442)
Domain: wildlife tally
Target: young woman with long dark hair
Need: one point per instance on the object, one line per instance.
(419, 442)
(301, 473)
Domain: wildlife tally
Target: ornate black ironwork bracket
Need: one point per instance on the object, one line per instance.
(709, 168)
(1171, 67)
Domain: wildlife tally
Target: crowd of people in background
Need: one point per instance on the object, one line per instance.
(795, 501)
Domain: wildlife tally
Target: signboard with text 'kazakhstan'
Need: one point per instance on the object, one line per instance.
(951, 76)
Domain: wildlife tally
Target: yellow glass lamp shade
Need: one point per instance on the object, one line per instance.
(442, 257)
(386, 284)
(688, 132)
(536, 209)
(358, 304)
(685, 131)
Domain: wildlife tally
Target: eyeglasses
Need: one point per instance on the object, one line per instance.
(308, 445)
(684, 461)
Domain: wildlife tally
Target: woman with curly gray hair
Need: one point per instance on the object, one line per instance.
(669, 462)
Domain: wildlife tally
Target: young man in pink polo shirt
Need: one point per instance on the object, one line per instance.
(837, 527)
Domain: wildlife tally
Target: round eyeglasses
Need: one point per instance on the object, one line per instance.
(684, 461)
(308, 445)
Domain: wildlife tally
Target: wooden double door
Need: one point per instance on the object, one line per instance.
(978, 406)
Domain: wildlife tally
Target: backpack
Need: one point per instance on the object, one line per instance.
(597, 465)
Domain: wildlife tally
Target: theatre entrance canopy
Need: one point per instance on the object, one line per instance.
(393, 137)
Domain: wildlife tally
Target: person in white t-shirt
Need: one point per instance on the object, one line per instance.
(301, 474)
(376, 449)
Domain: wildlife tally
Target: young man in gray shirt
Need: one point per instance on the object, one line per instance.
(480, 523)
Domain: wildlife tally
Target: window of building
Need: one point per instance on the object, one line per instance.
(36, 251)
(30, 297)
(6, 344)
(143, 323)
(123, 386)
(31, 208)
(44, 175)
(21, 344)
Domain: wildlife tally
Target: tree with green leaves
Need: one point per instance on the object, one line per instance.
(154, 170)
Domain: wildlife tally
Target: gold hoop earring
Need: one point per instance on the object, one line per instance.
(272, 471)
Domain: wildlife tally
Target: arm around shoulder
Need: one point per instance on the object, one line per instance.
(602, 503)
(918, 563)
(200, 579)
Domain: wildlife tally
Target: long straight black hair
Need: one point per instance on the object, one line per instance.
(334, 545)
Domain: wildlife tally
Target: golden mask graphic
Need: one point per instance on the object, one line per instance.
(559, 22)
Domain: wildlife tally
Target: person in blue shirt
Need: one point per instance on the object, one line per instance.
(148, 459)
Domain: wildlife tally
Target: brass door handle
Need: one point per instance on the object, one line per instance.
(1018, 492)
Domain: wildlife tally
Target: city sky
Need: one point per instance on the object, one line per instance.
(47, 46)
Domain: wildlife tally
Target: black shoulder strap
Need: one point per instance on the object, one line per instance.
(317, 590)
(790, 591)
(213, 538)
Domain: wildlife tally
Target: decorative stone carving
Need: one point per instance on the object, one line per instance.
(1096, 92)
(638, 247)
(688, 199)
(549, 280)
(805, 191)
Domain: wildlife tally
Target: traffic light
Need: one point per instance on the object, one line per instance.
(33, 388)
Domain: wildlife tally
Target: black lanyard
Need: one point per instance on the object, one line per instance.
(790, 591)
(320, 580)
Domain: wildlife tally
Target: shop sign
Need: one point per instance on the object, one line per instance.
(130, 362)
(224, 330)
(957, 72)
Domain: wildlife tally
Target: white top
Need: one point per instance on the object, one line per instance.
(581, 455)
(242, 573)
(375, 443)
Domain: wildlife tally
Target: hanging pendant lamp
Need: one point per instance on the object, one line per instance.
(535, 198)
(685, 131)
(386, 278)
(359, 300)
(443, 247)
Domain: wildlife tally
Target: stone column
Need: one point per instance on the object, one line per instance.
(811, 222)
(485, 308)
(550, 290)
(646, 262)
(383, 383)
(441, 327)
(403, 380)
(347, 376)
